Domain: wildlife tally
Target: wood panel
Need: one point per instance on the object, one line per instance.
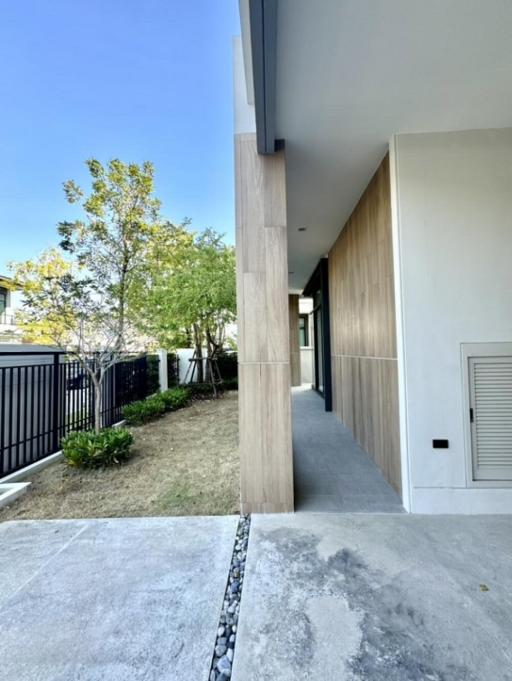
(266, 468)
(361, 276)
(293, 305)
(363, 328)
(266, 471)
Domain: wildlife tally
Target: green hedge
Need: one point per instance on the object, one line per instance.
(146, 410)
(230, 384)
(175, 398)
(173, 369)
(152, 374)
(91, 450)
(228, 365)
(200, 391)
(142, 411)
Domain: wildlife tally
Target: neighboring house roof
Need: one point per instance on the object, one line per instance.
(28, 347)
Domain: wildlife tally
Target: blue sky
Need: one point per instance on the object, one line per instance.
(133, 79)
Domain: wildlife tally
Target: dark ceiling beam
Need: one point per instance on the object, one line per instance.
(263, 21)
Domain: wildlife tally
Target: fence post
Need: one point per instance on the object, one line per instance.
(162, 370)
(55, 402)
(111, 414)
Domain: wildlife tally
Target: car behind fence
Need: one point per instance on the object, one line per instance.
(45, 395)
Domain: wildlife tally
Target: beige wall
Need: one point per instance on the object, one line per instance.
(266, 467)
(293, 305)
(363, 334)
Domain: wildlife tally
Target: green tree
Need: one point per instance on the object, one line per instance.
(190, 288)
(78, 297)
(41, 281)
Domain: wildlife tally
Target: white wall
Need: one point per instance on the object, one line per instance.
(453, 220)
(307, 353)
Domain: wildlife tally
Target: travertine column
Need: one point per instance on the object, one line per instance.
(266, 465)
(293, 304)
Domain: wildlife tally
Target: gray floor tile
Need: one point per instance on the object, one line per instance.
(331, 471)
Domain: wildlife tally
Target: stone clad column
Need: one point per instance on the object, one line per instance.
(266, 465)
(293, 304)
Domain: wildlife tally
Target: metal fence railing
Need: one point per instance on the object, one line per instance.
(7, 318)
(44, 396)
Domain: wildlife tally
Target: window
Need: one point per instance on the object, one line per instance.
(3, 300)
(303, 330)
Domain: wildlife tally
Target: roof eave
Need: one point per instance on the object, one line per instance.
(263, 28)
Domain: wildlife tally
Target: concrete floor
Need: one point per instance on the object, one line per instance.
(331, 471)
(112, 600)
(373, 597)
(326, 597)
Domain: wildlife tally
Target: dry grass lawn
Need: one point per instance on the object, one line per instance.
(185, 463)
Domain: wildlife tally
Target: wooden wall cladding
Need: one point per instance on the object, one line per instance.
(266, 465)
(365, 399)
(363, 327)
(293, 304)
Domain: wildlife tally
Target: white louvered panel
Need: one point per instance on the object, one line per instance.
(491, 430)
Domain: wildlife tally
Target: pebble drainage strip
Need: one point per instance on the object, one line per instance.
(228, 621)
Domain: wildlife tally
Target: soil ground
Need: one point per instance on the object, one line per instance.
(185, 463)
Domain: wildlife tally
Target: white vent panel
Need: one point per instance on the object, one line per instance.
(490, 380)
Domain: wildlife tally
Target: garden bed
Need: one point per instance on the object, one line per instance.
(184, 463)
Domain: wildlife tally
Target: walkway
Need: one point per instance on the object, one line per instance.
(112, 600)
(325, 597)
(376, 597)
(332, 472)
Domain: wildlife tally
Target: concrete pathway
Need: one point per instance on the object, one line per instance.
(112, 600)
(331, 471)
(331, 597)
(326, 597)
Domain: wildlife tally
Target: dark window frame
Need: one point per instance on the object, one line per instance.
(3, 299)
(318, 289)
(304, 330)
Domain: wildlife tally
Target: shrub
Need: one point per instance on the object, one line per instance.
(152, 375)
(228, 365)
(91, 450)
(230, 384)
(173, 369)
(200, 391)
(175, 398)
(143, 411)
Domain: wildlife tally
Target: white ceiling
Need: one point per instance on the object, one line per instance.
(351, 73)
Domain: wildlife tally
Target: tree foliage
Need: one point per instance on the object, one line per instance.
(48, 314)
(189, 287)
(121, 270)
(77, 297)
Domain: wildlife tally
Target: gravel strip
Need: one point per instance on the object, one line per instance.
(228, 621)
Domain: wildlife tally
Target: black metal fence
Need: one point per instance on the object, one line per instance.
(43, 397)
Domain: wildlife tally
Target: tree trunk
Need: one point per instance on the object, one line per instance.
(199, 354)
(98, 385)
(97, 407)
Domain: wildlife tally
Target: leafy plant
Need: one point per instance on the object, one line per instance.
(188, 288)
(230, 384)
(95, 450)
(173, 369)
(152, 374)
(142, 411)
(201, 391)
(175, 398)
(78, 296)
(228, 365)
